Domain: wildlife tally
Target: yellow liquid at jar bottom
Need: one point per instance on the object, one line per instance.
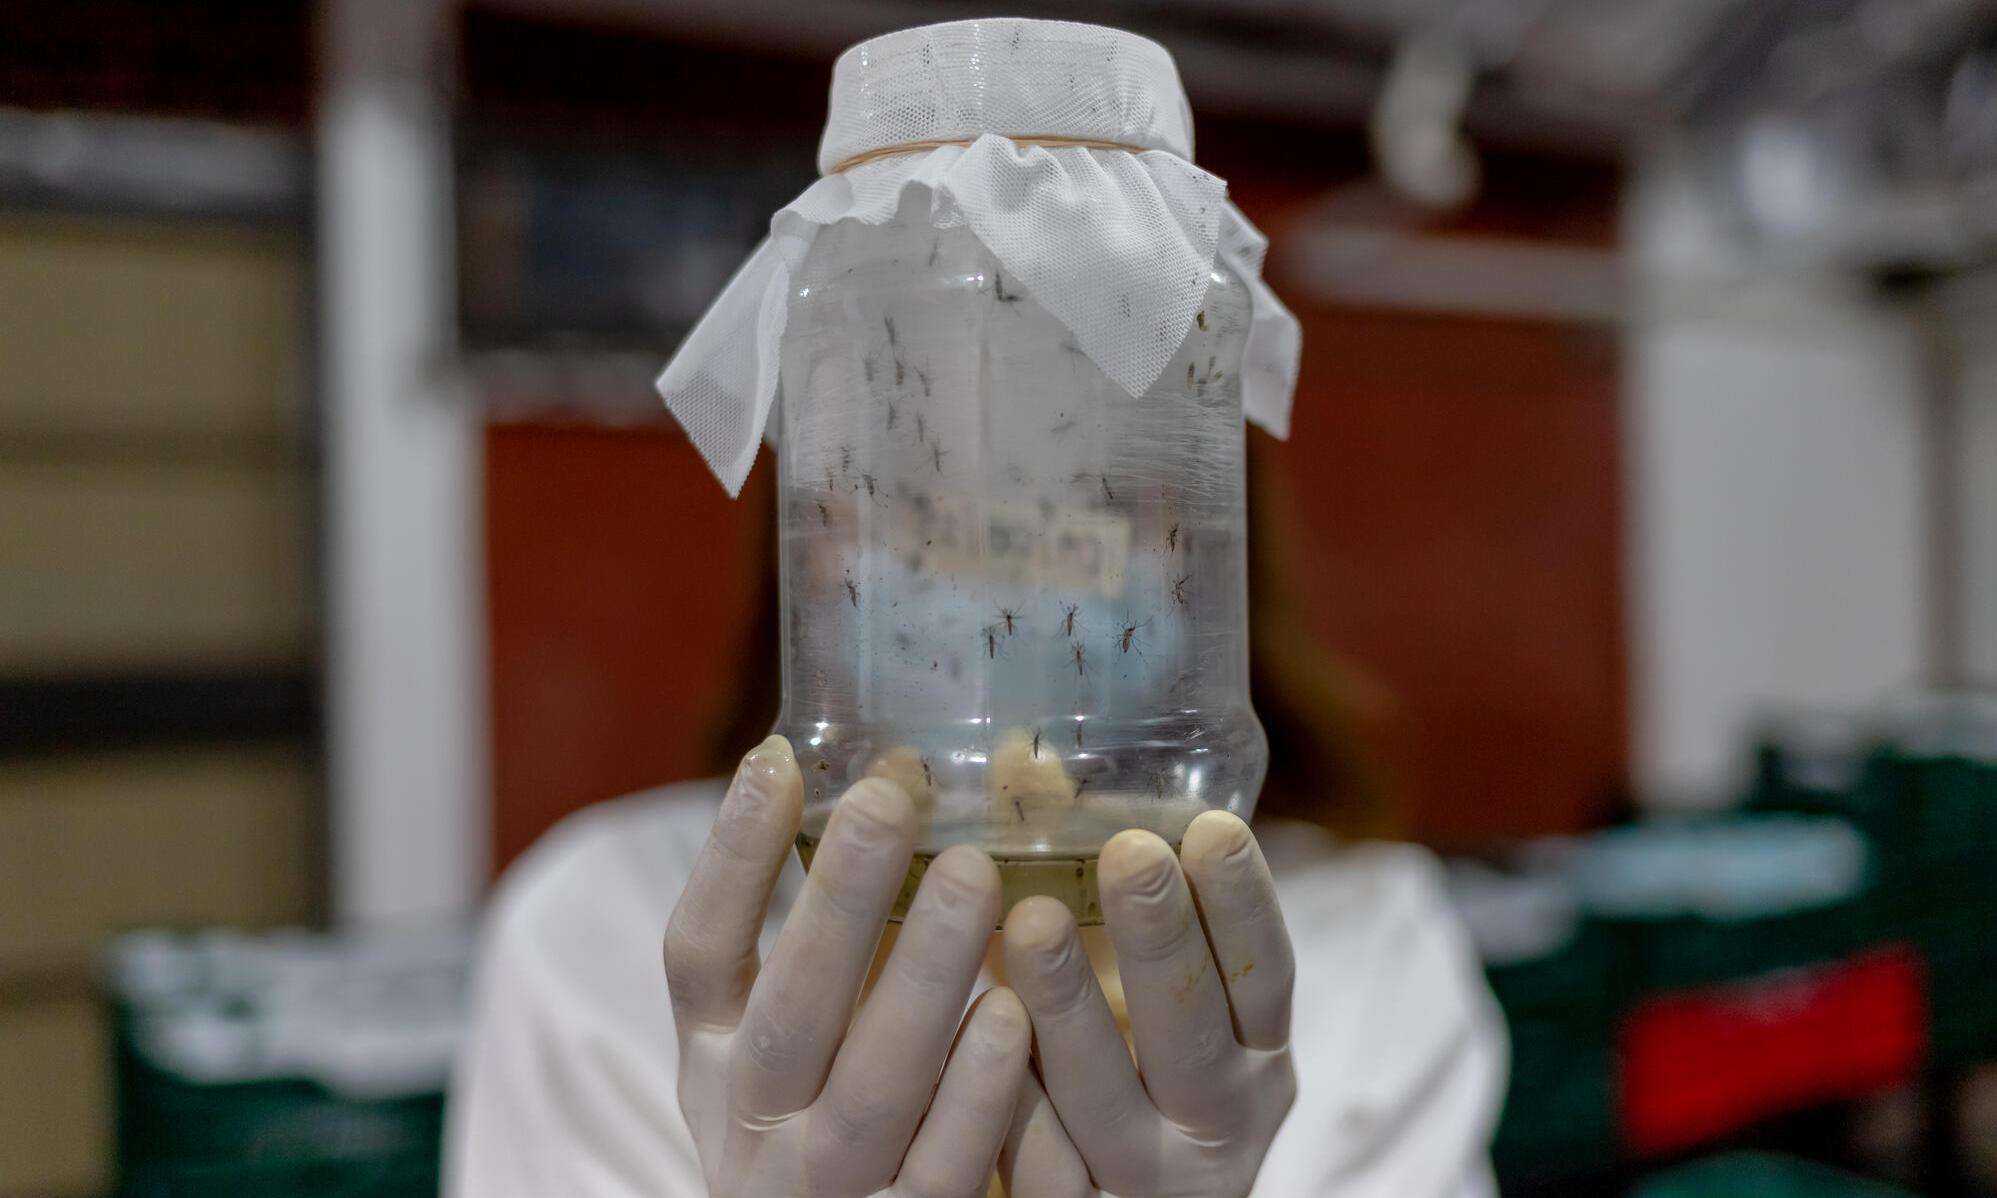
(1037, 861)
(1070, 879)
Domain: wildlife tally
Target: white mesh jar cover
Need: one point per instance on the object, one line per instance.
(1117, 244)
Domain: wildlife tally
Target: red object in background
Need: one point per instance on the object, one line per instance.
(1453, 486)
(622, 587)
(1704, 1063)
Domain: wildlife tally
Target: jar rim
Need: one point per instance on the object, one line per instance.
(1011, 76)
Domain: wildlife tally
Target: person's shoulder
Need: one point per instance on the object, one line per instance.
(653, 835)
(1378, 945)
(1400, 1051)
(594, 892)
(568, 990)
(1354, 891)
(1392, 1013)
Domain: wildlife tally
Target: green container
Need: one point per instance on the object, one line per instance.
(1580, 986)
(185, 1139)
(1944, 895)
(1881, 801)
(1761, 1175)
(1559, 1119)
(1957, 941)
(209, 1032)
(1682, 952)
(1926, 797)
(168, 1120)
(1952, 822)
(1864, 794)
(413, 1176)
(1666, 942)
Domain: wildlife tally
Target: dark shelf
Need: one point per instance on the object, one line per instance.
(40, 715)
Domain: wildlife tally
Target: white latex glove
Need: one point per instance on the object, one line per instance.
(1207, 976)
(787, 1093)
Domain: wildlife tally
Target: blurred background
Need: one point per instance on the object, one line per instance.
(1637, 540)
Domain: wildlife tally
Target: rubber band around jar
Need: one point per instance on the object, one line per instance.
(1052, 141)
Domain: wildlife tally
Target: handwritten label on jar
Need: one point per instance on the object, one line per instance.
(1020, 544)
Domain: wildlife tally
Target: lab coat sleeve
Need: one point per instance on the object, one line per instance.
(559, 1092)
(1401, 1052)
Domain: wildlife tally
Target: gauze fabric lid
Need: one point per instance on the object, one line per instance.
(1011, 76)
(1111, 229)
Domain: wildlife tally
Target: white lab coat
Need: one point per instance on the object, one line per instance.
(568, 1086)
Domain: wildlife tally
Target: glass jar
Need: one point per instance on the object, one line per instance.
(1008, 585)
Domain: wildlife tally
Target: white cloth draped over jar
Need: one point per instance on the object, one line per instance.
(1117, 238)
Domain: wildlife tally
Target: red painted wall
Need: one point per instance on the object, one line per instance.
(1453, 485)
(623, 583)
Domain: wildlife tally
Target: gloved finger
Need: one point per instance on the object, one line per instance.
(953, 1154)
(1038, 1160)
(1179, 1021)
(1084, 1065)
(710, 945)
(881, 1078)
(799, 1007)
(1244, 926)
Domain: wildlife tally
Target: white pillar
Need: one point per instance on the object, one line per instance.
(406, 707)
(1775, 427)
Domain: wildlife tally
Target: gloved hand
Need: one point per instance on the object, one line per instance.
(783, 1096)
(1207, 977)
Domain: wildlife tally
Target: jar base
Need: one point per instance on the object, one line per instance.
(1070, 879)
